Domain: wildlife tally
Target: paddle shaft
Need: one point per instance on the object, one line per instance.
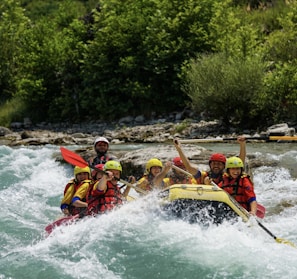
(279, 240)
(182, 170)
(265, 229)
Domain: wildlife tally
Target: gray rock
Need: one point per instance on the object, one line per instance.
(139, 119)
(4, 131)
(126, 120)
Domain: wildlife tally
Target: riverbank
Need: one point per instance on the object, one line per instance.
(85, 134)
(158, 134)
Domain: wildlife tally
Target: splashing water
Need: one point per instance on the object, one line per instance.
(136, 240)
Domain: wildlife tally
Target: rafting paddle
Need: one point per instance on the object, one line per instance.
(74, 159)
(277, 239)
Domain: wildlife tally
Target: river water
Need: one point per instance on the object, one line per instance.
(136, 241)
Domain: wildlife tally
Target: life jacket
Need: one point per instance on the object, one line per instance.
(237, 188)
(150, 186)
(101, 159)
(71, 183)
(216, 178)
(101, 202)
(176, 180)
(201, 175)
(73, 210)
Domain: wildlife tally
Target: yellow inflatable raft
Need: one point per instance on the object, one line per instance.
(201, 203)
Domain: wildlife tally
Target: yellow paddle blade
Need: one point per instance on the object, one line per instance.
(284, 241)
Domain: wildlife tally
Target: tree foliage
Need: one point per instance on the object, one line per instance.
(137, 53)
(224, 88)
(13, 24)
(83, 60)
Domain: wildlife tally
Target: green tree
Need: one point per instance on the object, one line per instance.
(51, 51)
(278, 100)
(13, 23)
(224, 88)
(137, 54)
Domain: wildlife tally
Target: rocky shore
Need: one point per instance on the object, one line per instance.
(159, 133)
(84, 134)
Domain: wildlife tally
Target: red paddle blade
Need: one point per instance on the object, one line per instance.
(62, 221)
(260, 211)
(73, 158)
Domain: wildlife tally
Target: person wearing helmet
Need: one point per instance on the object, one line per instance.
(153, 167)
(175, 176)
(106, 192)
(216, 162)
(101, 145)
(97, 173)
(74, 200)
(239, 185)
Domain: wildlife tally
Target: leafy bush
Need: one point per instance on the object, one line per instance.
(224, 88)
(12, 110)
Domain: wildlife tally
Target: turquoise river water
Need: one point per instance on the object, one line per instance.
(136, 241)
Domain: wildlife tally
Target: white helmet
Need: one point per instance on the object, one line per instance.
(102, 139)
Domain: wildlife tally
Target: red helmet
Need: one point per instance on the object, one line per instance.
(100, 167)
(177, 161)
(217, 157)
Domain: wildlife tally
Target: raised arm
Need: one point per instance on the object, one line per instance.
(242, 152)
(132, 180)
(189, 167)
(102, 183)
(157, 181)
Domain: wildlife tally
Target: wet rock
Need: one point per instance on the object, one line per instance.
(26, 135)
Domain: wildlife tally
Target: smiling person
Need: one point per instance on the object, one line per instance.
(106, 193)
(216, 163)
(75, 192)
(176, 176)
(239, 185)
(152, 169)
(101, 146)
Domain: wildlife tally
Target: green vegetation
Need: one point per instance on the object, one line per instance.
(180, 127)
(11, 111)
(74, 61)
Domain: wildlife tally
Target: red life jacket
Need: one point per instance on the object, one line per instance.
(101, 159)
(241, 188)
(100, 202)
